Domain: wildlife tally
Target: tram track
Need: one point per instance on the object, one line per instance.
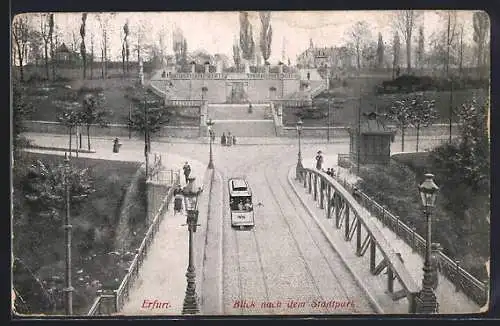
(338, 281)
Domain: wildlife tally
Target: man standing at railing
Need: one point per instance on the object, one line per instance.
(187, 171)
(319, 160)
(435, 264)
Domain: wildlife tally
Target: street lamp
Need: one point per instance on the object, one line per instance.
(210, 123)
(426, 300)
(190, 305)
(298, 169)
(68, 290)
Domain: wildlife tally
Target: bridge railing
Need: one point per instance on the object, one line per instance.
(112, 301)
(472, 287)
(348, 213)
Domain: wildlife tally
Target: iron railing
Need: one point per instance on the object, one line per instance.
(463, 280)
(112, 301)
(350, 220)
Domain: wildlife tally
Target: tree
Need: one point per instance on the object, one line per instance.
(83, 50)
(247, 44)
(20, 36)
(401, 113)
(380, 51)
(266, 34)
(420, 47)
(70, 117)
(451, 34)
(44, 33)
(360, 35)
(147, 120)
(21, 109)
(45, 193)
(93, 113)
(180, 47)
(236, 54)
(461, 50)
(423, 113)
(52, 49)
(481, 24)
(91, 55)
(396, 46)
(405, 23)
(126, 33)
(104, 25)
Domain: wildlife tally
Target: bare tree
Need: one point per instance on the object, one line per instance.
(266, 34)
(83, 50)
(481, 24)
(104, 24)
(44, 32)
(236, 54)
(396, 47)
(52, 49)
(420, 53)
(380, 51)
(451, 34)
(20, 36)
(461, 50)
(360, 35)
(91, 55)
(405, 24)
(126, 32)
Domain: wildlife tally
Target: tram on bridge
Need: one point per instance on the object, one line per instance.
(240, 203)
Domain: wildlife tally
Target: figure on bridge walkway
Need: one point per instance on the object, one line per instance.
(234, 140)
(187, 171)
(223, 139)
(319, 160)
(435, 264)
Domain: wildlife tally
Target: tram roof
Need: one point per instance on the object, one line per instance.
(239, 187)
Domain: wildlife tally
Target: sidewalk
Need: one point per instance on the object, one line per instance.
(450, 301)
(162, 275)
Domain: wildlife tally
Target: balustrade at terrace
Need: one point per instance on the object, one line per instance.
(347, 212)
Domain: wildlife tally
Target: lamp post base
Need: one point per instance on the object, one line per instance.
(426, 302)
(298, 170)
(190, 306)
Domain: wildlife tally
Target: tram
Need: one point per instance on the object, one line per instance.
(240, 203)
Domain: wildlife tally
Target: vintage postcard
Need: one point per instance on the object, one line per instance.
(250, 163)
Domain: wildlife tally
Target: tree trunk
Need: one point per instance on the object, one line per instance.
(20, 58)
(357, 57)
(402, 138)
(70, 139)
(418, 133)
(88, 136)
(102, 64)
(47, 60)
(408, 55)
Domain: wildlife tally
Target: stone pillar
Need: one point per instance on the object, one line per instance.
(207, 67)
(218, 67)
(193, 67)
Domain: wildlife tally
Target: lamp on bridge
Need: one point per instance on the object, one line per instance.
(298, 169)
(426, 300)
(210, 123)
(190, 305)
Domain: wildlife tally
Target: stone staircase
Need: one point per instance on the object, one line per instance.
(244, 128)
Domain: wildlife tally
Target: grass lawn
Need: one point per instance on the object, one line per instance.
(39, 244)
(348, 112)
(116, 91)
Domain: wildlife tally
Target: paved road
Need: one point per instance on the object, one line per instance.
(285, 262)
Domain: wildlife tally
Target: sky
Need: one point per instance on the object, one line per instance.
(216, 32)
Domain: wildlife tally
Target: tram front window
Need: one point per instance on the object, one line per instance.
(241, 204)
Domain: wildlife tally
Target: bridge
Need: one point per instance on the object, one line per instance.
(315, 249)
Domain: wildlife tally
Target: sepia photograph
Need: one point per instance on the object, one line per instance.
(256, 163)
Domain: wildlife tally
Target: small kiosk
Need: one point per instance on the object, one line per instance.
(371, 140)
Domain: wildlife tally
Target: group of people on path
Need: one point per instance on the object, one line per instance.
(228, 140)
(319, 164)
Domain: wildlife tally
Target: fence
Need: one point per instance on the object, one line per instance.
(472, 287)
(349, 220)
(111, 301)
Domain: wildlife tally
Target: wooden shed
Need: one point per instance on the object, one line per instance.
(371, 140)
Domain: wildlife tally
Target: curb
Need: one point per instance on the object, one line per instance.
(59, 149)
(221, 254)
(360, 283)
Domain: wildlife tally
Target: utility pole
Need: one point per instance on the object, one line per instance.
(68, 290)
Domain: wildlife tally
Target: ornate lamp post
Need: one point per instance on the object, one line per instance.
(68, 290)
(426, 299)
(298, 169)
(190, 306)
(210, 123)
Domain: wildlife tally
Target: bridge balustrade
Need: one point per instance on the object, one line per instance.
(472, 287)
(339, 204)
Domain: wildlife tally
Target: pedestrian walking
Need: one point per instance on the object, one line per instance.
(223, 139)
(319, 160)
(187, 171)
(229, 139)
(234, 140)
(435, 264)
